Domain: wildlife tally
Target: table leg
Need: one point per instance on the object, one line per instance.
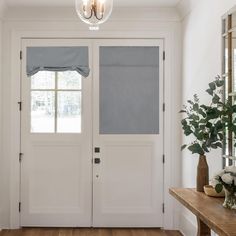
(203, 229)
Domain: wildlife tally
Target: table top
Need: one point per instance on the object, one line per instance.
(208, 209)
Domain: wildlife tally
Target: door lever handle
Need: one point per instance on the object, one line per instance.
(97, 160)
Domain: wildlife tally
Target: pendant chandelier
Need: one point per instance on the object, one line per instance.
(94, 12)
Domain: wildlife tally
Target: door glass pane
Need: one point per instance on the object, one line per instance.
(69, 80)
(43, 80)
(69, 112)
(42, 111)
(129, 90)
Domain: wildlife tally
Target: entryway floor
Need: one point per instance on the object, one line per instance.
(88, 232)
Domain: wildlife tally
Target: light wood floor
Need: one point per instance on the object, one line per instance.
(87, 232)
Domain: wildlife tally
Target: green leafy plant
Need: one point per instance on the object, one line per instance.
(208, 123)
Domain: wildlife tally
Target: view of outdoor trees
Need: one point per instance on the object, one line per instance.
(56, 102)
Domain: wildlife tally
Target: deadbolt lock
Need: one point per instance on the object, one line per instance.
(97, 160)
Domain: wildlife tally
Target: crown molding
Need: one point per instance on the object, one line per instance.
(69, 13)
(184, 7)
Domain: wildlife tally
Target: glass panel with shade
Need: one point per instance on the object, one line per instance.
(129, 90)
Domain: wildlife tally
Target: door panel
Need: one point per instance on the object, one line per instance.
(128, 128)
(42, 177)
(56, 171)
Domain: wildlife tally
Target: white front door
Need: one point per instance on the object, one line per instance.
(128, 133)
(92, 147)
(56, 143)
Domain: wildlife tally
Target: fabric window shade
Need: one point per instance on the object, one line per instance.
(129, 90)
(57, 59)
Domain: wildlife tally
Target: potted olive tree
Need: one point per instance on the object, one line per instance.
(207, 126)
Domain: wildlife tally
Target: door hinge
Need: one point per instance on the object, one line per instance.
(19, 206)
(20, 55)
(20, 156)
(163, 207)
(163, 158)
(164, 55)
(164, 107)
(20, 106)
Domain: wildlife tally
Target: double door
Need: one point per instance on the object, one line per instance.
(92, 147)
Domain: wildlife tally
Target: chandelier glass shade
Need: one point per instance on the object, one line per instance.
(94, 12)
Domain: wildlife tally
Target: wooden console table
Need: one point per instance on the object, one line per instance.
(209, 212)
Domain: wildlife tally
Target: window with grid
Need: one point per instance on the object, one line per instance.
(56, 102)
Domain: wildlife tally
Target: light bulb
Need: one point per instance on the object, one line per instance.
(94, 12)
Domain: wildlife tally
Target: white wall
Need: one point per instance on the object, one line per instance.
(201, 63)
(1, 137)
(63, 22)
(2, 10)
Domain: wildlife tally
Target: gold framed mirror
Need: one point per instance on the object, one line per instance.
(229, 74)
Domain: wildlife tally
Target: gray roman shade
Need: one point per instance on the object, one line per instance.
(57, 59)
(129, 90)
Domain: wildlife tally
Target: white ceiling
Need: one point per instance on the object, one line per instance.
(120, 3)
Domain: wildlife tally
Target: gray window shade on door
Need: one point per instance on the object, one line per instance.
(57, 59)
(129, 90)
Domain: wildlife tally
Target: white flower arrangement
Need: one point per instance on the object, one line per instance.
(225, 178)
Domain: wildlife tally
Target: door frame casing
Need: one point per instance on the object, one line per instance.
(152, 215)
(15, 67)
